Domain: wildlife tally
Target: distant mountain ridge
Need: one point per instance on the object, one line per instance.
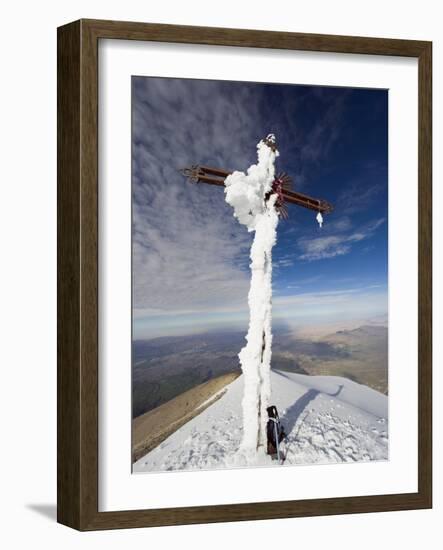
(164, 368)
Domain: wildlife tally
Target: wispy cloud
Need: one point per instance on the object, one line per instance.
(338, 244)
(284, 262)
(318, 142)
(359, 196)
(188, 250)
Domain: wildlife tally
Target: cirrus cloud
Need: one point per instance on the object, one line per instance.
(339, 244)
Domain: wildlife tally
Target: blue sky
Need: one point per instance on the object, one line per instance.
(190, 256)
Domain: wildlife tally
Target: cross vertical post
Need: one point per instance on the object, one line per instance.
(259, 199)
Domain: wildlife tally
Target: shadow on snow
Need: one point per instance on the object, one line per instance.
(293, 413)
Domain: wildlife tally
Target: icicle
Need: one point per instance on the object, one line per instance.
(319, 218)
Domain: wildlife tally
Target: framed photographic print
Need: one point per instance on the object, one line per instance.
(244, 275)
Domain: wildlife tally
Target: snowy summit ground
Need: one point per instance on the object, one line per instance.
(327, 418)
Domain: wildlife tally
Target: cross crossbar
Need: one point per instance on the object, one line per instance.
(216, 176)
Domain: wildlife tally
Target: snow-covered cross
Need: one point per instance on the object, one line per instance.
(258, 198)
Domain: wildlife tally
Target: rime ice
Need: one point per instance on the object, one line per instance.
(246, 193)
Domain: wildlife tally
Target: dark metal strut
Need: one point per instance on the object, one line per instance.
(216, 176)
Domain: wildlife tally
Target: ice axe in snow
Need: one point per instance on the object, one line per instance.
(275, 432)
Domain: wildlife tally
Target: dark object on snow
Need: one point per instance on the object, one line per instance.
(274, 431)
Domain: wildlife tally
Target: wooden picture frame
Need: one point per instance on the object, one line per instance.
(78, 274)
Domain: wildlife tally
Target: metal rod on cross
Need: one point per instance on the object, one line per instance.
(275, 192)
(198, 173)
